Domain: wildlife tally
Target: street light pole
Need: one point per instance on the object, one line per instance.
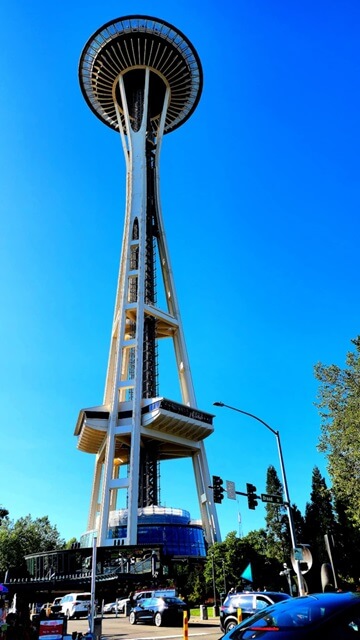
(285, 486)
(224, 576)
(92, 589)
(213, 581)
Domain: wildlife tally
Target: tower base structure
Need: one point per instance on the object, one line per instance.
(172, 528)
(143, 79)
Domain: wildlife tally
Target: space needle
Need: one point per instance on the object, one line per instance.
(143, 78)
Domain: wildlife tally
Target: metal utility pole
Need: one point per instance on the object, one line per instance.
(285, 487)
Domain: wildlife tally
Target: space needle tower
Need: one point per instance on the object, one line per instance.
(143, 78)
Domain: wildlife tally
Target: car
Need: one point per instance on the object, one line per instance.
(110, 607)
(76, 605)
(122, 605)
(119, 605)
(45, 609)
(325, 616)
(35, 610)
(158, 611)
(153, 593)
(56, 605)
(249, 602)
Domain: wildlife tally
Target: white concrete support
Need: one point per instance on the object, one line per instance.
(207, 509)
(95, 494)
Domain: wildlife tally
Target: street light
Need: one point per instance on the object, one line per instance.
(216, 613)
(285, 485)
(224, 575)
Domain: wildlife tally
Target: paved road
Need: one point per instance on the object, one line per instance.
(120, 629)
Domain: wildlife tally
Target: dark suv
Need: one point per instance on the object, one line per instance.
(249, 602)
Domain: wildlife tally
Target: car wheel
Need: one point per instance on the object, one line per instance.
(158, 619)
(230, 625)
(132, 618)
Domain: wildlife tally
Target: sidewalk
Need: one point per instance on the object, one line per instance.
(210, 620)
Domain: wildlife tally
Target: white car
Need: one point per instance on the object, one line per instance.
(111, 606)
(122, 604)
(76, 605)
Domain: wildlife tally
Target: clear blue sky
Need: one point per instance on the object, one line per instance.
(260, 195)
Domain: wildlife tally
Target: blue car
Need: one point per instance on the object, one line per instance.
(249, 602)
(320, 616)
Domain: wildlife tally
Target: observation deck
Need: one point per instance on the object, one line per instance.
(127, 46)
(160, 418)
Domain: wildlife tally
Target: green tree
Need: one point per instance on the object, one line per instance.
(319, 517)
(215, 567)
(319, 520)
(347, 547)
(227, 560)
(197, 583)
(299, 524)
(276, 520)
(26, 536)
(338, 402)
(188, 577)
(70, 543)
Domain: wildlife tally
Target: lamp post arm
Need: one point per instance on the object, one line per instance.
(246, 413)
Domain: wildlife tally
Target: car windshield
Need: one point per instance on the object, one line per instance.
(173, 600)
(241, 602)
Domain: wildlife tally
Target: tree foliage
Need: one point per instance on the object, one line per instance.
(347, 547)
(319, 517)
(319, 521)
(70, 542)
(227, 561)
(276, 520)
(338, 403)
(26, 536)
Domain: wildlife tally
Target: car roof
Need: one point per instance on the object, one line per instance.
(332, 601)
(333, 596)
(258, 593)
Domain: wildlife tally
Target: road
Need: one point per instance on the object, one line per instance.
(119, 628)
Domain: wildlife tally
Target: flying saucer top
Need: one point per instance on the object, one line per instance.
(129, 44)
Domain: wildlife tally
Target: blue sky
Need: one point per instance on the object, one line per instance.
(260, 195)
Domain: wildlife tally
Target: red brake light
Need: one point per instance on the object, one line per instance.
(253, 628)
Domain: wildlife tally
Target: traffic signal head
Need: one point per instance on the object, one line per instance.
(218, 489)
(251, 496)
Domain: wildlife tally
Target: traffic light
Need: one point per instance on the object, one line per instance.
(218, 489)
(251, 496)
